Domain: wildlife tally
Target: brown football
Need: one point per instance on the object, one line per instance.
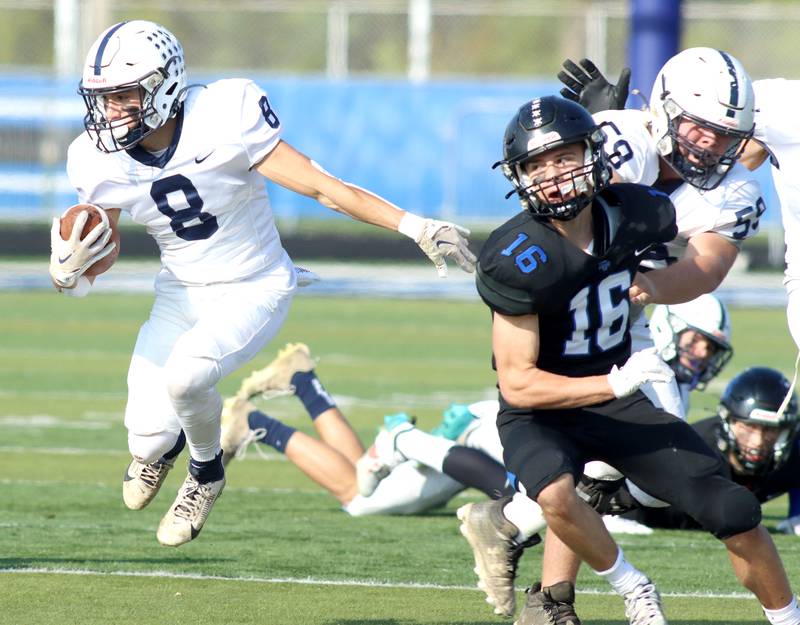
(68, 220)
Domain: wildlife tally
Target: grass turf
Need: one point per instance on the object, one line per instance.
(277, 549)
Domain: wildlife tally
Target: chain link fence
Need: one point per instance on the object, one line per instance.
(439, 42)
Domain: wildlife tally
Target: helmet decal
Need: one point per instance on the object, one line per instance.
(98, 59)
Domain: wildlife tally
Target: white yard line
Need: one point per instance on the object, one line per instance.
(311, 581)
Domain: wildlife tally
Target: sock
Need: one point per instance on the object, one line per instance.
(475, 469)
(278, 434)
(426, 448)
(177, 448)
(623, 576)
(790, 615)
(205, 471)
(526, 514)
(310, 391)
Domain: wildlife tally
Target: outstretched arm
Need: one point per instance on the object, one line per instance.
(438, 239)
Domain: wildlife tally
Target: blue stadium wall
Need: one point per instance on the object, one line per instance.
(427, 147)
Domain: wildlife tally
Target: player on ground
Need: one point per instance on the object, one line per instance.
(754, 436)
(557, 279)
(189, 162)
(427, 470)
(694, 339)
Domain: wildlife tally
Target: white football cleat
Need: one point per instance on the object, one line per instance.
(184, 520)
(379, 460)
(643, 606)
(142, 481)
(276, 377)
(235, 432)
(305, 276)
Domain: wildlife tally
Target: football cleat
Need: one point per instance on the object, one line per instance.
(382, 456)
(235, 432)
(276, 378)
(455, 420)
(305, 277)
(553, 605)
(643, 606)
(142, 481)
(188, 513)
(492, 539)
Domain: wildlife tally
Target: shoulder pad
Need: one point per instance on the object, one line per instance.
(514, 267)
(651, 210)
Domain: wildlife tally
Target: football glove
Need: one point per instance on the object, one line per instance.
(589, 88)
(790, 526)
(642, 367)
(71, 258)
(439, 240)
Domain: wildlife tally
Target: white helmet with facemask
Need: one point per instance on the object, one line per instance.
(708, 317)
(710, 88)
(138, 56)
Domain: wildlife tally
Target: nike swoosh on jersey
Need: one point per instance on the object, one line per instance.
(641, 251)
(61, 261)
(200, 159)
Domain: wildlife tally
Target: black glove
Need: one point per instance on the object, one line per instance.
(588, 87)
(606, 496)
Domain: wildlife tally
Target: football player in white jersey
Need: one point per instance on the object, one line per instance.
(189, 163)
(777, 136)
(427, 470)
(694, 339)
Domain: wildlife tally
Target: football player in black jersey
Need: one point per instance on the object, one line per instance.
(556, 278)
(756, 440)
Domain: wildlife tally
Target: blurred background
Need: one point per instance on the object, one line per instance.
(408, 98)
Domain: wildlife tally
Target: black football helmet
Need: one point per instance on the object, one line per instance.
(755, 397)
(541, 125)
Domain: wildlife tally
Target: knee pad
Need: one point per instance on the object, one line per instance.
(188, 378)
(729, 510)
(148, 448)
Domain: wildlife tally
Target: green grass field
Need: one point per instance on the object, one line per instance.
(277, 549)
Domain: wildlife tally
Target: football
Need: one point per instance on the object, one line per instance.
(95, 217)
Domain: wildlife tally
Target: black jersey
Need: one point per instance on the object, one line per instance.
(527, 267)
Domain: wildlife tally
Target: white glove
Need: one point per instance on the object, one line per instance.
(790, 526)
(439, 239)
(642, 367)
(70, 258)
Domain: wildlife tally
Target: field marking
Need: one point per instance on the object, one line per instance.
(311, 581)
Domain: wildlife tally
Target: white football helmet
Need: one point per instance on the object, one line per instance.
(712, 89)
(670, 327)
(136, 55)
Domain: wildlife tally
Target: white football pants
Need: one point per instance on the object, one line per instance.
(195, 336)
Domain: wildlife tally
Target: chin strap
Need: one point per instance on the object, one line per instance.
(790, 392)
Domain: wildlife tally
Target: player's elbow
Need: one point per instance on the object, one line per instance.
(519, 390)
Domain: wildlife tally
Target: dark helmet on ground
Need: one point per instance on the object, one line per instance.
(542, 125)
(755, 397)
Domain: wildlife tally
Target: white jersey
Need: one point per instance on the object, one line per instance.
(778, 127)
(201, 201)
(731, 210)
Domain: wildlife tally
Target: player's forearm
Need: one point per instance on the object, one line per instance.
(538, 389)
(362, 205)
(685, 280)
